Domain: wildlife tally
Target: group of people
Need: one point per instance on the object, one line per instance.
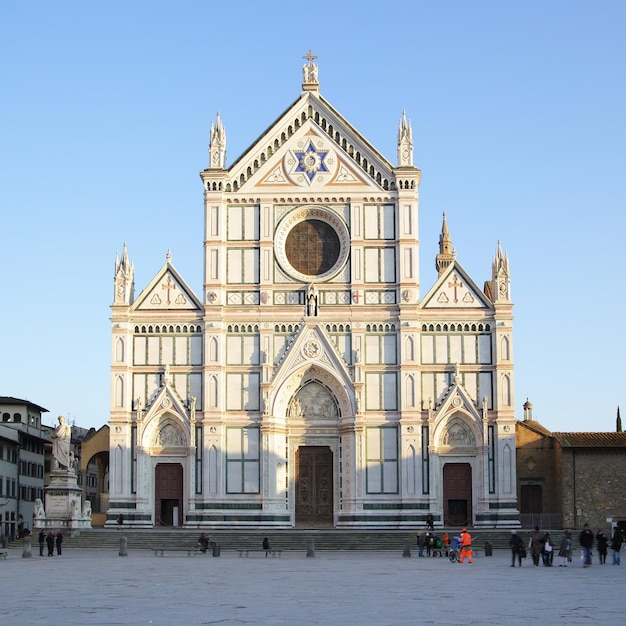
(433, 544)
(542, 547)
(49, 540)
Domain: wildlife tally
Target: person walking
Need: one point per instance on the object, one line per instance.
(430, 521)
(586, 543)
(517, 546)
(50, 543)
(267, 546)
(535, 545)
(59, 542)
(616, 544)
(565, 549)
(465, 540)
(42, 541)
(603, 544)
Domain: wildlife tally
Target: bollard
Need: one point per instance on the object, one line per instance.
(488, 548)
(26, 552)
(216, 548)
(123, 546)
(310, 548)
(406, 551)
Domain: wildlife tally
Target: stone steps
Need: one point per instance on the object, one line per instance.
(288, 539)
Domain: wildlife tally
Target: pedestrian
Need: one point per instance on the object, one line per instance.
(430, 522)
(50, 543)
(535, 545)
(616, 544)
(466, 545)
(120, 519)
(421, 542)
(430, 542)
(445, 540)
(517, 547)
(603, 544)
(42, 541)
(204, 543)
(586, 543)
(267, 546)
(547, 551)
(59, 542)
(565, 549)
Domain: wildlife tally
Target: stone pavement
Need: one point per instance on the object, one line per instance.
(382, 588)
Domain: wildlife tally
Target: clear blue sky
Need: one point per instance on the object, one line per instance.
(519, 124)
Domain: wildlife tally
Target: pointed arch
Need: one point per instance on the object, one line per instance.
(411, 470)
(119, 391)
(212, 467)
(213, 397)
(410, 349)
(119, 350)
(118, 465)
(213, 350)
(506, 390)
(505, 349)
(410, 390)
(507, 469)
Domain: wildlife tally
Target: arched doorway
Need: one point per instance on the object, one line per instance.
(457, 494)
(314, 486)
(168, 498)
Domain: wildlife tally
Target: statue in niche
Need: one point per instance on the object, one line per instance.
(61, 438)
(87, 509)
(311, 301)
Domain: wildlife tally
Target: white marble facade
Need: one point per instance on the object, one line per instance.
(311, 382)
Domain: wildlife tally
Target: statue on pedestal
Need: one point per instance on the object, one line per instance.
(61, 444)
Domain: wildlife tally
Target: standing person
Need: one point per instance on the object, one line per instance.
(547, 552)
(429, 544)
(267, 546)
(445, 540)
(421, 542)
(50, 543)
(466, 545)
(616, 544)
(586, 543)
(59, 542)
(603, 544)
(430, 522)
(517, 547)
(42, 541)
(565, 549)
(535, 545)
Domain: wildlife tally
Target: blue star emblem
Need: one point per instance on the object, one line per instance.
(311, 161)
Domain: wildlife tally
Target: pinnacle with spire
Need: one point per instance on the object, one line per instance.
(217, 148)
(447, 253)
(405, 142)
(309, 71)
(124, 279)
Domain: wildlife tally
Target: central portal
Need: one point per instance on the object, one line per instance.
(168, 494)
(314, 486)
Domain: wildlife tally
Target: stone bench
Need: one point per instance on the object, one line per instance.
(189, 551)
(247, 551)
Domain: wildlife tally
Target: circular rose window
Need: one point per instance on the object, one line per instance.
(311, 243)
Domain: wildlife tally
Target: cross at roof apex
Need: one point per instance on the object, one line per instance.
(309, 69)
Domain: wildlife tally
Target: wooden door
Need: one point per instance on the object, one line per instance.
(457, 494)
(168, 494)
(314, 486)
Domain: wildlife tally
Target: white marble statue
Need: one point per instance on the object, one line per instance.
(61, 438)
(39, 511)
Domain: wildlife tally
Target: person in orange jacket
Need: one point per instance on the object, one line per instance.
(465, 540)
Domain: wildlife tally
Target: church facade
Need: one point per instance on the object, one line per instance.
(311, 383)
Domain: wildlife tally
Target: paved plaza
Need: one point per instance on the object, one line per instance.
(100, 587)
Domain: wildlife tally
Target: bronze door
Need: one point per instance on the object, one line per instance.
(457, 494)
(168, 494)
(314, 486)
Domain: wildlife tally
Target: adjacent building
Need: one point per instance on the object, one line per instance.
(313, 380)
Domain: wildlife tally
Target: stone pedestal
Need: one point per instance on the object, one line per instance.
(64, 508)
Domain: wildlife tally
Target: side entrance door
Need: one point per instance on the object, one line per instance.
(314, 486)
(457, 494)
(168, 500)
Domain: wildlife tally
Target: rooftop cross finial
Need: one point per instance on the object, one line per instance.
(309, 70)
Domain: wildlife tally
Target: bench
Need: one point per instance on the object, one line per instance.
(190, 551)
(4, 553)
(270, 552)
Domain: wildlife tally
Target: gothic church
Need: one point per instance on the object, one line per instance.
(312, 382)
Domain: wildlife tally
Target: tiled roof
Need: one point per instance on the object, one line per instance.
(591, 440)
(536, 426)
(4, 400)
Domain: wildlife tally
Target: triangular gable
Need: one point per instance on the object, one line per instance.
(168, 401)
(456, 400)
(337, 154)
(311, 346)
(455, 289)
(167, 291)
